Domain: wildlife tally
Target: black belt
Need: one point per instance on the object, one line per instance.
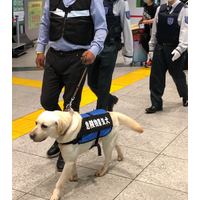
(167, 44)
(111, 40)
(64, 53)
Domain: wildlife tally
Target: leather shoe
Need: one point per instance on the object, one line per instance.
(185, 101)
(153, 109)
(111, 105)
(60, 163)
(54, 150)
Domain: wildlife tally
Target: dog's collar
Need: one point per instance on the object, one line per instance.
(67, 128)
(71, 111)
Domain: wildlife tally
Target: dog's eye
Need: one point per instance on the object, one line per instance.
(43, 126)
(36, 123)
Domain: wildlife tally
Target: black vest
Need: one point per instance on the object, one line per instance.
(168, 28)
(113, 22)
(77, 30)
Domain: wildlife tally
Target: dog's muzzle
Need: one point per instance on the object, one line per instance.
(32, 135)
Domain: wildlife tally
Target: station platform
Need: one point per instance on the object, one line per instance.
(155, 165)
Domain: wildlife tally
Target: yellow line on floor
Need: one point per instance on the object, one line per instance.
(26, 123)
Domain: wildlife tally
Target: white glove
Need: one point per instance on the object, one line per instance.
(127, 60)
(151, 55)
(176, 55)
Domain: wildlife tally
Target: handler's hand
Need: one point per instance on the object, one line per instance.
(40, 60)
(89, 57)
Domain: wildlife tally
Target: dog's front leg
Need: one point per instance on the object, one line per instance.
(62, 180)
(74, 176)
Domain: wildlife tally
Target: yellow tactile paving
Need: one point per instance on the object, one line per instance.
(27, 82)
(26, 123)
(132, 77)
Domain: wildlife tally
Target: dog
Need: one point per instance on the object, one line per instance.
(64, 127)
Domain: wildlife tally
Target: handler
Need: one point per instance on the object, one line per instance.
(73, 29)
(170, 29)
(100, 73)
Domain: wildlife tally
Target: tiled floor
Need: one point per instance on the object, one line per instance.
(155, 165)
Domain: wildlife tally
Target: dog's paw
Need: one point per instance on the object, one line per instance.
(73, 178)
(55, 195)
(120, 158)
(99, 173)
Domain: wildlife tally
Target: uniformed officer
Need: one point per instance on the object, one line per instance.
(72, 29)
(100, 73)
(170, 30)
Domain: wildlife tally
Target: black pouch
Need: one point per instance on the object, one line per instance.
(119, 44)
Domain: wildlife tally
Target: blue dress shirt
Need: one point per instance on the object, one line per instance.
(100, 28)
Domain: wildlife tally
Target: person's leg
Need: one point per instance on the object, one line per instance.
(157, 77)
(51, 88)
(93, 76)
(176, 71)
(108, 61)
(71, 77)
(52, 84)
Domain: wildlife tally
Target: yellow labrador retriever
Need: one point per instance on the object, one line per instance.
(64, 127)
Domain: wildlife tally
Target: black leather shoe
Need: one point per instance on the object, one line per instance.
(111, 105)
(185, 101)
(60, 163)
(54, 150)
(153, 109)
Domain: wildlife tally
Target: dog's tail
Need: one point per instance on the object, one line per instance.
(128, 122)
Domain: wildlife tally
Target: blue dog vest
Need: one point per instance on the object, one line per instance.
(95, 124)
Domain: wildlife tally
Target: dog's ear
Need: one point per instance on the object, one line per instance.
(60, 126)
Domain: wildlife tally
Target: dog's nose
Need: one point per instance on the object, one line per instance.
(32, 135)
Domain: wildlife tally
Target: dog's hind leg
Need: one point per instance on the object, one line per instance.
(119, 152)
(74, 176)
(107, 148)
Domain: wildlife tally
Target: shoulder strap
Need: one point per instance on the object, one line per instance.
(179, 7)
(163, 7)
(54, 4)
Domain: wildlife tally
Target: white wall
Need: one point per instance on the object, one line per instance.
(137, 11)
(134, 11)
(163, 1)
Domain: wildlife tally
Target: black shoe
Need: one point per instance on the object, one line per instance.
(111, 105)
(60, 163)
(54, 150)
(153, 109)
(185, 101)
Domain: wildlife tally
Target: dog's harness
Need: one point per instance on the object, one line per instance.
(95, 124)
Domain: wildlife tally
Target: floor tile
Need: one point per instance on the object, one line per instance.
(164, 123)
(149, 140)
(30, 197)
(135, 103)
(17, 194)
(179, 147)
(20, 111)
(143, 191)
(167, 172)
(133, 163)
(88, 187)
(29, 170)
(175, 109)
(26, 145)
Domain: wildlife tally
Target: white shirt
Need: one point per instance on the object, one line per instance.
(183, 23)
(121, 8)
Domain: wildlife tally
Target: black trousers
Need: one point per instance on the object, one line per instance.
(100, 74)
(162, 61)
(62, 69)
